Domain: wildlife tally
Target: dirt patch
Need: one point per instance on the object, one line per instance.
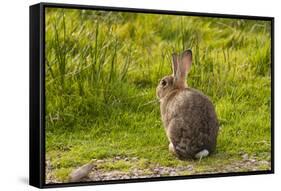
(50, 178)
(99, 173)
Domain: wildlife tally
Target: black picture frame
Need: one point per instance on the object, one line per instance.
(37, 93)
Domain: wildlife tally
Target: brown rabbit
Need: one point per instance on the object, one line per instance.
(188, 115)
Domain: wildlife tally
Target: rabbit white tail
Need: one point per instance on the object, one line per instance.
(201, 154)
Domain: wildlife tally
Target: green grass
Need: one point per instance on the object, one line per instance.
(102, 69)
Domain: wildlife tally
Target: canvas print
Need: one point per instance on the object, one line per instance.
(142, 95)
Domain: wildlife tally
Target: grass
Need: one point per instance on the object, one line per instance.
(102, 69)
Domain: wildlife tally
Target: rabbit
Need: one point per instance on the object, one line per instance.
(189, 117)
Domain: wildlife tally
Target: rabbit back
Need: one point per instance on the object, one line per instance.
(191, 123)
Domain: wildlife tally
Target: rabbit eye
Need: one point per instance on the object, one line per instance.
(163, 82)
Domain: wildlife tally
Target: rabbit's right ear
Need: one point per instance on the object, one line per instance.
(181, 67)
(175, 64)
(185, 64)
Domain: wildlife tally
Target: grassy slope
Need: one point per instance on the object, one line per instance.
(102, 70)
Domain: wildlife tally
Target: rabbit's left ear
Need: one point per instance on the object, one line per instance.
(185, 64)
(175, 64)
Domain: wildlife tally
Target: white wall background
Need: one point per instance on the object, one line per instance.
(14, 68)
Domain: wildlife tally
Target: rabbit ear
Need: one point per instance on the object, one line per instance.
(175, 64)
(185, 64)
(182, 68)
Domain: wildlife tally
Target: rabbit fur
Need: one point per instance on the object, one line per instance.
(188, 115)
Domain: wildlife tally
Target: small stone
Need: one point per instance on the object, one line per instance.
(180, 168)
(252, 160)
(164, 171)
(117, 158)
(81, 172)
(156, 170)
(134, 158)
(245, 156)
(143, 176)
(190, 167)
(263, 162)
(126, 177)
